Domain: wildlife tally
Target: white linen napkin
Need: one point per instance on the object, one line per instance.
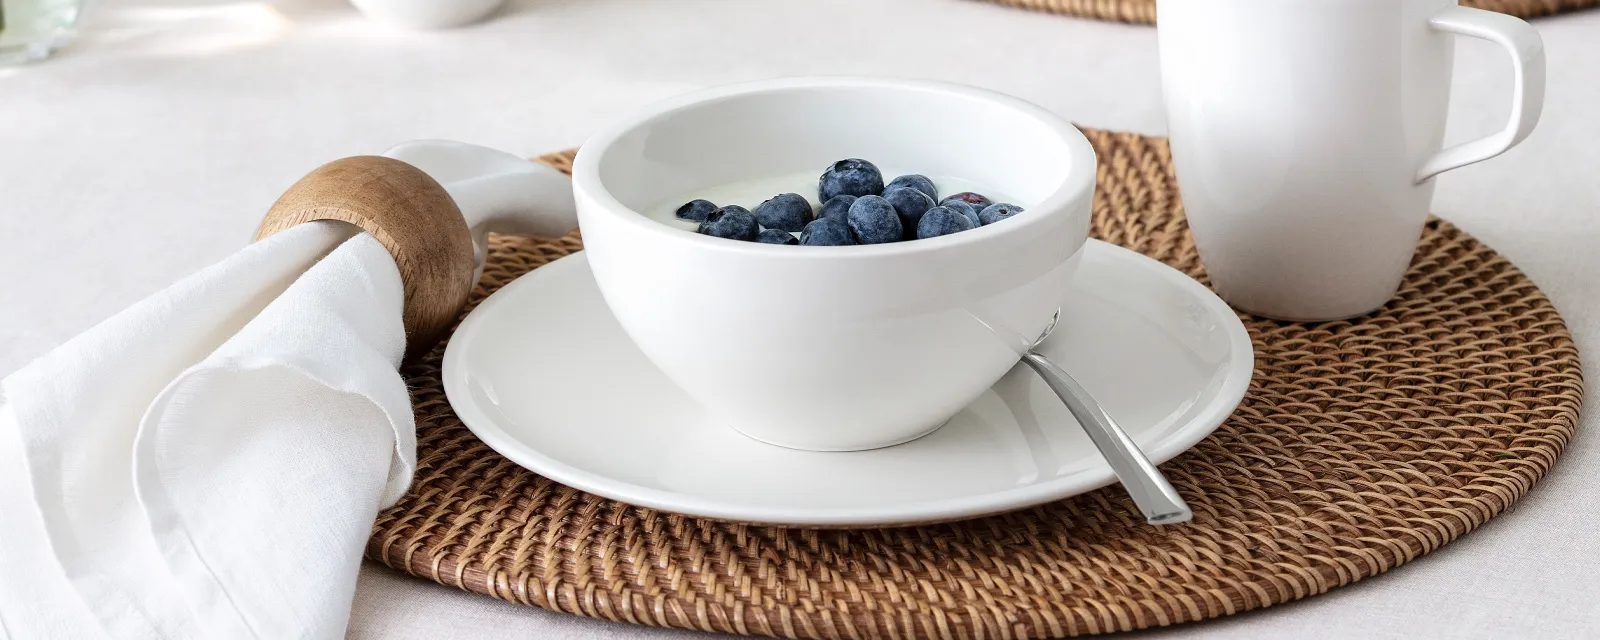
(208, 462)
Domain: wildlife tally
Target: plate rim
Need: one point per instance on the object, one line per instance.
(1230, 393)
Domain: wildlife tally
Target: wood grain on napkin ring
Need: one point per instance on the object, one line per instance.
(411, 215)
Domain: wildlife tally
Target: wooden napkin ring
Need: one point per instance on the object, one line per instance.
(411, 215)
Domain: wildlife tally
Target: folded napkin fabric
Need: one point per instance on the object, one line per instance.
(169, 449)
(208, 462)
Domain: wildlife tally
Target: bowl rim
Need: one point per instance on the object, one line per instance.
(1076, 187)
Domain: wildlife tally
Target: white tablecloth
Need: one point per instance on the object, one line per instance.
(152, 147)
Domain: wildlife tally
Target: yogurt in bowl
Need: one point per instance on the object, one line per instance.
(834, 348)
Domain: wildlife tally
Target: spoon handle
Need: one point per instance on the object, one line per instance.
(1155, 497)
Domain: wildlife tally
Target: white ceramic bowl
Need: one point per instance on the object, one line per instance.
(835, 348)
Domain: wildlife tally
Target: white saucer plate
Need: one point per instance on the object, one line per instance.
(542, 373)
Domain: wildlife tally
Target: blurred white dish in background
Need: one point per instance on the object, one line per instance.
(427, 14)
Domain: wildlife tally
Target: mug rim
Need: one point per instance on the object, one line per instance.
(1076, 186)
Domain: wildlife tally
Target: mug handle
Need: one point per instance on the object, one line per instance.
(1520, 40)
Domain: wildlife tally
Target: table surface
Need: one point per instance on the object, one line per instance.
(151, 147)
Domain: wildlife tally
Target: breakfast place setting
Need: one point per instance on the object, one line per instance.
(415, 319)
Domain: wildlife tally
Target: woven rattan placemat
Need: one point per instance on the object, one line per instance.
(1144, 11)
(1360, 445)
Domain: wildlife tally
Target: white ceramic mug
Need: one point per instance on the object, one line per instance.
(834, 348)
(1306, 135)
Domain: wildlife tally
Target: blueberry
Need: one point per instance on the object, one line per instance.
(784, 212)
(909, 203)
(963, 209)
(733, 222)
(977, 201)
(696, 210)
(997, 212)
(874, 221)
(852, 177)
(774, 236)
(915, 181)
(942, 221)
(826, 232)
(837, 208)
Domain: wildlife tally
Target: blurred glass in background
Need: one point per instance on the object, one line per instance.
(31, 29)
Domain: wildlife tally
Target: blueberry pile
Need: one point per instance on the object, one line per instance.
(857, 208)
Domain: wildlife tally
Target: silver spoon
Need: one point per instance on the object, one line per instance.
(1151, 492)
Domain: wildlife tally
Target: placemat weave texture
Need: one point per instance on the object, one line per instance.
(1144, 11)
(1360, 446)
